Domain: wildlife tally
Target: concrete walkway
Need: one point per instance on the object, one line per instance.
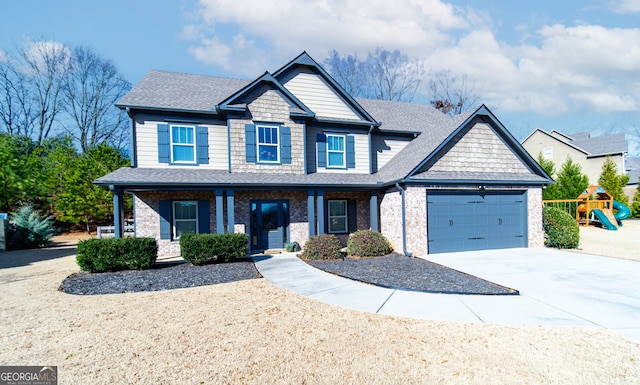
(556, 288)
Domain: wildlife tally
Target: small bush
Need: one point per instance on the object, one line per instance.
(325, 246)
(200, 249)
(367, 243)
(29, 229)
(111, 254)
(561, 230)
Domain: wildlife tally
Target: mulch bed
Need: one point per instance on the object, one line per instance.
(400, 272)
(164, 276)
(392, 271)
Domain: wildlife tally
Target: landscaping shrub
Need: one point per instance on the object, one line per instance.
(367, 243)
(561, 229)
(111, 254)
(200, 249)
(29, 229)
(325, 246)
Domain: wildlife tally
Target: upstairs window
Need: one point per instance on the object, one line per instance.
(183, 145)
(268, 144)
(335, 151)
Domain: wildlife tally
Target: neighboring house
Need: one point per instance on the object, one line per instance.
(589, 152)
(633, 169)
(291, 155)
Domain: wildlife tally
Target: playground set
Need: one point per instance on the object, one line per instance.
(596, 205)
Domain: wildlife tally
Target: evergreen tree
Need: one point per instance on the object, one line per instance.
(571, 181)
(551, 191)
(81, 201)
(635, 206)
(21, 173)
(613, 182)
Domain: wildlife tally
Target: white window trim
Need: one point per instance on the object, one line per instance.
(193, 146)
(547, 153)
(343, 152)
(345, 216)
(174, 220)
(258, 144)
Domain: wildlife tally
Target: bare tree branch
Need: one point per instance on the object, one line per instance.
(91, 88)
(452, 94)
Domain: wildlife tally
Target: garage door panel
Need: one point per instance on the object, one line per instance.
(464, 221)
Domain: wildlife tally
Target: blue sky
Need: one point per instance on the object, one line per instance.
(567, 65)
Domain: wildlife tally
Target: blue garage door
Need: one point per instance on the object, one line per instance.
(464, 221)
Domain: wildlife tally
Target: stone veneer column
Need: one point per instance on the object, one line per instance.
(534, 220)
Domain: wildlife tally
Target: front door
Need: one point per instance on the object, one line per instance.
(269, 224)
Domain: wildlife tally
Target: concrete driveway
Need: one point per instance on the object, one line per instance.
(556, 288)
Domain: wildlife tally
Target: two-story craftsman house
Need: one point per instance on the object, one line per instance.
(290, 155)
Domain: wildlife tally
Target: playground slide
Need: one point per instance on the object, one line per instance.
(623, 211)
(606, 223)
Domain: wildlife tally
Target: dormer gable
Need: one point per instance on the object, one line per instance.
(311, 84)
(238, 101)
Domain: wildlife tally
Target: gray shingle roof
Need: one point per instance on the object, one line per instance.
(201, 177)
(593, 146)
(435, 130)
(177, 91)
(601, 145)
(198, 93)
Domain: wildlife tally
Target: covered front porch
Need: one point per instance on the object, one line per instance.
(271, 218)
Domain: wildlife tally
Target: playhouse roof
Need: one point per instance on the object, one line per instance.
(595, 189)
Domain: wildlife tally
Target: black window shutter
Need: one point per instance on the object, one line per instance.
(322, 150)
(165, 219)
(351, 152)
(250, 139)
(164, 153)
(285, 145)
(326, 216)
(204, 217)
(352, 215)
(202, 143)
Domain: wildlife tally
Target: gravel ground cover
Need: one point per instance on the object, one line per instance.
(253, 332)
(400, 272)
(165, 276)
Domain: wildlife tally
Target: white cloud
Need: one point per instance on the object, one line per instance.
(44, 56)
(556, 69)
(626, 6)
(285, 28)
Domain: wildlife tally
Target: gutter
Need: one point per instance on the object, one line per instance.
(404, 223)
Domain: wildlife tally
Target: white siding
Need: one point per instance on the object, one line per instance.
(147, 146)
(386, 147)
(319, 97)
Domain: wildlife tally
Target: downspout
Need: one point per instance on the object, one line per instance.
(370, 150)
(404, 224)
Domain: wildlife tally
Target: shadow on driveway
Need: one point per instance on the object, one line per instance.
(17, 258)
